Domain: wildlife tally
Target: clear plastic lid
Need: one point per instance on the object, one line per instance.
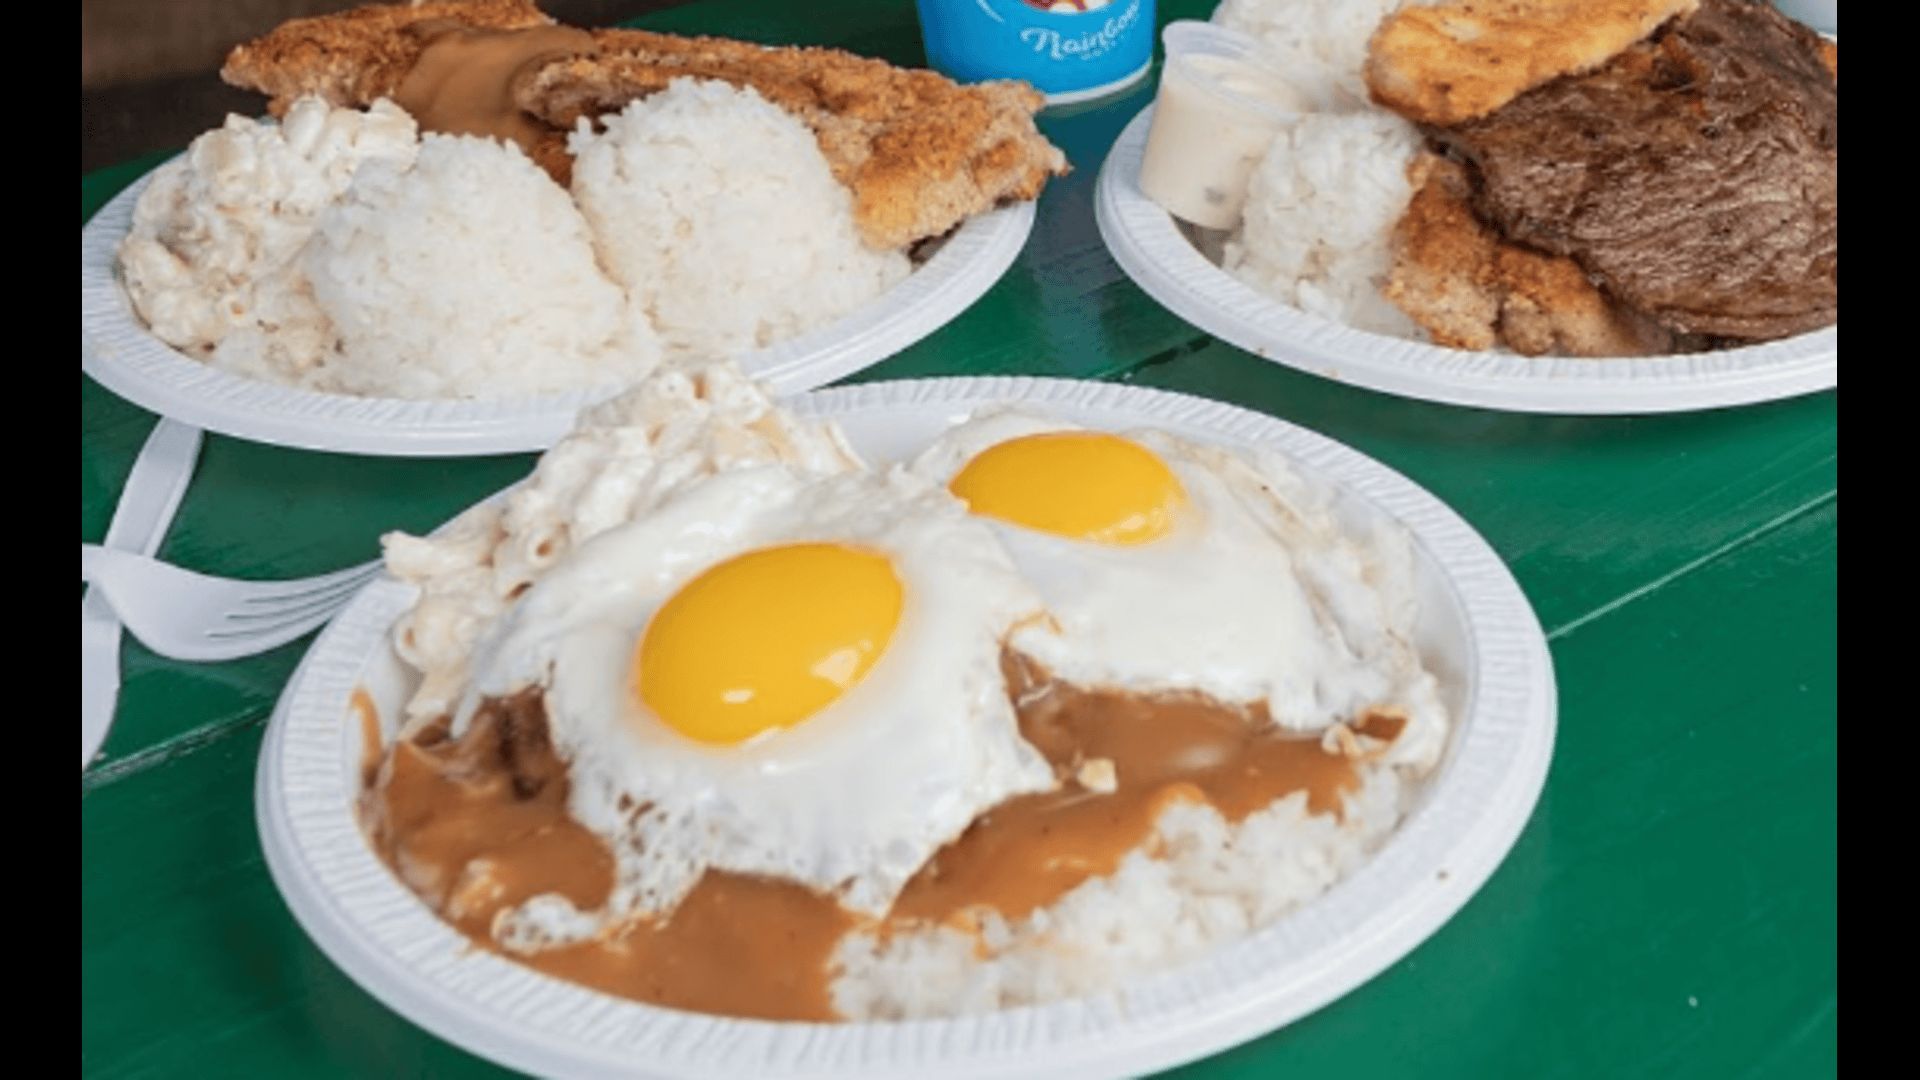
(1232, 66)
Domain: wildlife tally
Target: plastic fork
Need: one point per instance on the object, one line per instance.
(187, 616)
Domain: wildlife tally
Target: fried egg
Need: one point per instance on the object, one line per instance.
(779, 674)
(1170, 566)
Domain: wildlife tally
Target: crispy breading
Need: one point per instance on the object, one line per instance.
(1469, 289)
(1462, 59)
(353, 57)
(919, 152)
(550, 153)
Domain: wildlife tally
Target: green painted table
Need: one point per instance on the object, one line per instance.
(1670, 909)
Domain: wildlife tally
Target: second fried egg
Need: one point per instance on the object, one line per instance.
(1166, 565)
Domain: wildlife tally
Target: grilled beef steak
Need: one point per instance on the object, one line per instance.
(1694, 176)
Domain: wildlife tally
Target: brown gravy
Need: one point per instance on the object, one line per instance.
(1033, 849)
(479, 824)
(370, 749)
(463, 82)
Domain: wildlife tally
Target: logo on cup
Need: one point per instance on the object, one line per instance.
(1068, 49)
(1056, 46)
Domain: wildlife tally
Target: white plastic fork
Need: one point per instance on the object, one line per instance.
(187, 616)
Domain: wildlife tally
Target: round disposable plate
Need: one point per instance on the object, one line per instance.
(118, 350)
(1476, 630)
(1146, 243)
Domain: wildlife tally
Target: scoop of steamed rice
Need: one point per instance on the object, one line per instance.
(1318, 224)
(720, 215)
(470, 275)
(1320, 45)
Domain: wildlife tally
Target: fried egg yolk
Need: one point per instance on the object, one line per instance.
(766, 639)
(1084, 485)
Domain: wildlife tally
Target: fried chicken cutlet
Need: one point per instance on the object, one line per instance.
(1461, 59)
(354, 57)
(919, 152)
(1470, 289)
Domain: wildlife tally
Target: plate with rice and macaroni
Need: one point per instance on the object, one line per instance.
(462, 222)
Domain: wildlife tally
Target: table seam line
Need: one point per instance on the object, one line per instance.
(1701, 562)
(186, 744)
(160, 753)
(1124, 372)
(180, 746)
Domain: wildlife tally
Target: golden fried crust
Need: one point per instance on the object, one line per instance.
(919, 152)
(1462, 59)
(550, 152)
(355, 57)
(1469, 289)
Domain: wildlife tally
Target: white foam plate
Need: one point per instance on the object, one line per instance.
(1476, 630)
(1146, 243)
(118, 351)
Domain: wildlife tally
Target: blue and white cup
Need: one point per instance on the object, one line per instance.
(1070, 50)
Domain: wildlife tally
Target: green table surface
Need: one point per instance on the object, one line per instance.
(1669, 910)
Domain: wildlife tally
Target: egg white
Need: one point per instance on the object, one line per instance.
(851, 801)
(1255, 595)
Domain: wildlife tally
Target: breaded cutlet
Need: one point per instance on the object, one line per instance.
(919, 152)
(1470, 289)
(1461, 59)
(355, 57)
(352, 58)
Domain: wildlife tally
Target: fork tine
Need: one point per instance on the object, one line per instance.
(277, 633)
(236, 622)
(309, 602)
(309, 586)
(270, 624)
(257, 616)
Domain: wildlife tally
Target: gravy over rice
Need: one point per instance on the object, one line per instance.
(477, 825)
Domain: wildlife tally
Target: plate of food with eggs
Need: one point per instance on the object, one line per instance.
(1629, 206)
(951, 727)
(463, 222)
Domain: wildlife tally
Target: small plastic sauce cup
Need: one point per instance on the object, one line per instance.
(1219, 107)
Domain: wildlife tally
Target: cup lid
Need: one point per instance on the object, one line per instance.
(1186, 39)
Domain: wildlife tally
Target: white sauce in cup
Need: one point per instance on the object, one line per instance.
(1218, 109)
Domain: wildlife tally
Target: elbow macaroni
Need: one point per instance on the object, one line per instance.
(625, 457)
